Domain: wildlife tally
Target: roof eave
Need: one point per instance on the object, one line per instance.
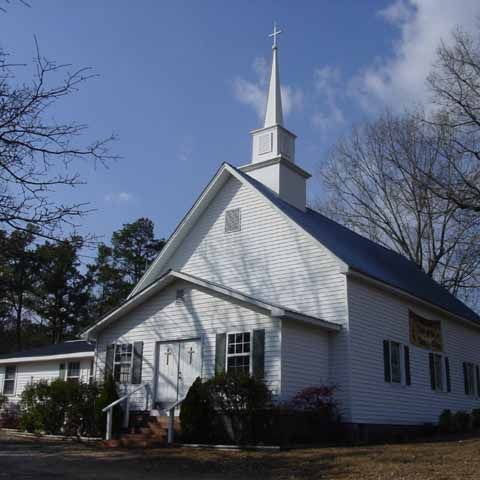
(46, 358)
(385, 286)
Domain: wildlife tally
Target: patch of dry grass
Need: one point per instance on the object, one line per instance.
(437, 460)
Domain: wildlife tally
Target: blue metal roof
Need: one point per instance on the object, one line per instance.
(368, 257)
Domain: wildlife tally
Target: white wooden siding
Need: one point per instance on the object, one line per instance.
(203, 316)
(41, 370)
(273, 260)
(376, 316)
(304, 358)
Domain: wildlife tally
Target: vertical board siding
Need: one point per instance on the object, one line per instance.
(202, 316)
(42, 370)
(310, 368)
(376, 316)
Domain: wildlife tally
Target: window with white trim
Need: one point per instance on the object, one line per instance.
(396, 362)
(73, 372)
(239, 350)
(122, 364)
(469, 378)
(233, 220)
(9, 380)
(439, 372)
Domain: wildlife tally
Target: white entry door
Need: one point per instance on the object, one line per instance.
(179, 364)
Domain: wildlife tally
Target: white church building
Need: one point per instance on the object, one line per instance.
(254, 280)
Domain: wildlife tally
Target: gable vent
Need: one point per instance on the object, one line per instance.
(180, 296)
(233, 221)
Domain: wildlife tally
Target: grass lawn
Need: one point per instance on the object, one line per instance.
(41, 459)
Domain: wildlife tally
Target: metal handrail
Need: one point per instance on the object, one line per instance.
(121, 399)
(171, 419)
(126, 418)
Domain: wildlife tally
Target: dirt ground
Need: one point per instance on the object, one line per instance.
(41, 459)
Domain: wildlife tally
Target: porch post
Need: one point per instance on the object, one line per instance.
(171, 420)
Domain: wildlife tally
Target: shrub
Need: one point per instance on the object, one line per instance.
(476, 418)
(3, 401)
(224, 408)
(462, 421)
(61, 407)
(318, 400)
(9, 415)
(445, 422)
(197, 414)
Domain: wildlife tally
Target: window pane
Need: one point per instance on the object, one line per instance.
(395, 362)
(73, 369)
(8, 386)
(10, 372)
(438, 370)
(239, 364)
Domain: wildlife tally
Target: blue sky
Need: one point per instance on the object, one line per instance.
(181, 83)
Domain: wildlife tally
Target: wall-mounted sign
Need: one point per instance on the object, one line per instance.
(425, 333)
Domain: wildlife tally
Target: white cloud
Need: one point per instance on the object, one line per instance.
(254, 93)
(328, 87)
(119, 197)
(399, 79)
(185, 149)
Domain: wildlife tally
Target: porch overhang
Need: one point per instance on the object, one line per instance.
(274, 310)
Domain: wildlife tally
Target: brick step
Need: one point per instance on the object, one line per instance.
(152, 433)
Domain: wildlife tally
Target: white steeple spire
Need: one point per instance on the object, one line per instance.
(273, 147)
(274, 115)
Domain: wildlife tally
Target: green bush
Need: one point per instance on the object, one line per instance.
(445, 421)
(3, 401)
(224, 408)
(67, 408)
(476, 418)
(462, 422)
(197, 414)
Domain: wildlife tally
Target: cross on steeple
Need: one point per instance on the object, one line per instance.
(274, 35)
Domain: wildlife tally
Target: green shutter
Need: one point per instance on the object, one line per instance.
(258, 354)
(63, 372)
(477, 374)
(386, 361)
(447, 374)
(465, 379)
(109, 360)
(220, 352)
(137, 363)
(432, 371)
(406, 356)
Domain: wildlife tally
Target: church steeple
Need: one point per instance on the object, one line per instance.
(273, 146)
(274, 114)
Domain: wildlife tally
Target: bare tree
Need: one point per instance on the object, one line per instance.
(36, 152)
(455, 86)
(374, 182)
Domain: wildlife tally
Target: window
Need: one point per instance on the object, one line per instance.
(239, 352)
(396, 362)
(469, 371)
(233, 220)
(180, 296)
(439, 372)
(122, 365)
(9, 380)
(73, 372)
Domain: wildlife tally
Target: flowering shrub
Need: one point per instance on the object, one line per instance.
(318, 400)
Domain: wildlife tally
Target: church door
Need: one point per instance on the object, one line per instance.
(179, 364)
